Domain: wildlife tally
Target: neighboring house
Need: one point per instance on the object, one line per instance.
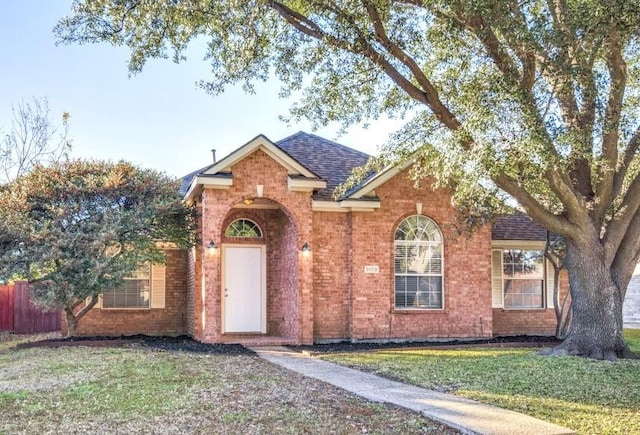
(282, 261)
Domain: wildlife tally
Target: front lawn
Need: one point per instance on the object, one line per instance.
(135, 389)
(584, 395)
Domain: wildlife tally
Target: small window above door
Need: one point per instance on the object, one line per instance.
(243, 228)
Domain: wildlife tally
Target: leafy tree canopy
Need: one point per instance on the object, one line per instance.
(531, 100)
(78, 227)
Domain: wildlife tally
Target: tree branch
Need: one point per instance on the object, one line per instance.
(534, 209)
(430, 92)
(618, 228)
(627, 157)
(618, 73)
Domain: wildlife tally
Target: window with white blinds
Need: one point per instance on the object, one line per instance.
(418, 264)
(135, 292)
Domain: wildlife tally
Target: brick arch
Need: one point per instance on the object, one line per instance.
(235, 214)
(402, 217)
(280, 237)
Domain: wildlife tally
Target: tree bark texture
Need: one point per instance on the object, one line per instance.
(72, 322)
(597, 326)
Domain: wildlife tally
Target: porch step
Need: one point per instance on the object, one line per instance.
(253, 341)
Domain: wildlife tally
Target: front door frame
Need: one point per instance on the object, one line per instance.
(263, 285)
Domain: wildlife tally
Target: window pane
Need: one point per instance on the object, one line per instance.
(134, 293)
(243, 228)
(523, 293)
(418, 264)
(523, 264)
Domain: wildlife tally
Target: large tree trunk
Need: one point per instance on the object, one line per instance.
(72, 323)
(596, 308)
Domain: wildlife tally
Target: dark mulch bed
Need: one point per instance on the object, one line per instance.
(511, 341)
(181, 343)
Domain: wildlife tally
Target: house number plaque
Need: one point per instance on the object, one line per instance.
(372, 269)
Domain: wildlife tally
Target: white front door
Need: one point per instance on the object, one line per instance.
(244, 289)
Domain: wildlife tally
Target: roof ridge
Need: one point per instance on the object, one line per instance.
(332, 142)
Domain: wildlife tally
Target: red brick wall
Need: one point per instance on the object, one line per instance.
(170, 320)
(295, 277)
(331, 273)
(467, 264)
(528, 322)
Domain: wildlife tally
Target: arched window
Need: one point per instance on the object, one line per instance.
(243, 228)
(418, 264)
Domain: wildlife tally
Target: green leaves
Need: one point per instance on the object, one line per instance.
(78, 227)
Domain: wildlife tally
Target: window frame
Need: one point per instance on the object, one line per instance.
(438, 242)
(130, 278)
(543, 279)
(255, 226)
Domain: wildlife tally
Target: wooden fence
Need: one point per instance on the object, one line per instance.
(18, 314)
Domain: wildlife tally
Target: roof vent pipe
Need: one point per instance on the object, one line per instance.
(213, 152)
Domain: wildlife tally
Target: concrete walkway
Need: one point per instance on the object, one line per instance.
(465, 415)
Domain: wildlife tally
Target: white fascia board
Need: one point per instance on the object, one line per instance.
(364, 205)
(305, 184)
(193, 191)
(379, 179)
(344, 206)
(214, 182)
(260, 142)
(517, 244)
(199, 182)
(330, 206)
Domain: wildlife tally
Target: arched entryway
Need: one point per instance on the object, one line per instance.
(259, 273)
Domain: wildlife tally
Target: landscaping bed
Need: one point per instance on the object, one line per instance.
(181, 343)
(363, 346)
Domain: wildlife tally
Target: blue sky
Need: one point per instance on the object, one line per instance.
(158, 118)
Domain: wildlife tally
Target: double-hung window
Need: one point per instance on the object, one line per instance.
(134, 293)
(523, 278)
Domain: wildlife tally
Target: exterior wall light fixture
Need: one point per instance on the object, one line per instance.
(306, 249)
(212, 247)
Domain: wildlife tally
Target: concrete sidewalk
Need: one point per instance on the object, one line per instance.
(465, 415)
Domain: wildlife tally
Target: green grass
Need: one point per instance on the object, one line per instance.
(584, 395)
(137, 390)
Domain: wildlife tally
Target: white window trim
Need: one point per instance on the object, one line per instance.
(442, 267)
(157, 291)
(261, 236)
(544, 278)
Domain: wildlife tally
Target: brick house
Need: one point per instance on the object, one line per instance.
(282, 261)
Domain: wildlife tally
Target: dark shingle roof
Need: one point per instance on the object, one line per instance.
(329, 160)
(517, 226)
(187, 179)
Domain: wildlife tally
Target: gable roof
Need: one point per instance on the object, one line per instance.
(332, 161)
(303, 154)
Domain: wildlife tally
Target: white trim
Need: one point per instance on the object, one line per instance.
(442, 267)
(214, 182)
(305, 184)
(380, 178)
(345, 206)
(330, 206)
(199, 182)
(531, 246)
(270, 148)
(360, 205)
(517, 244)
(497, 279)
